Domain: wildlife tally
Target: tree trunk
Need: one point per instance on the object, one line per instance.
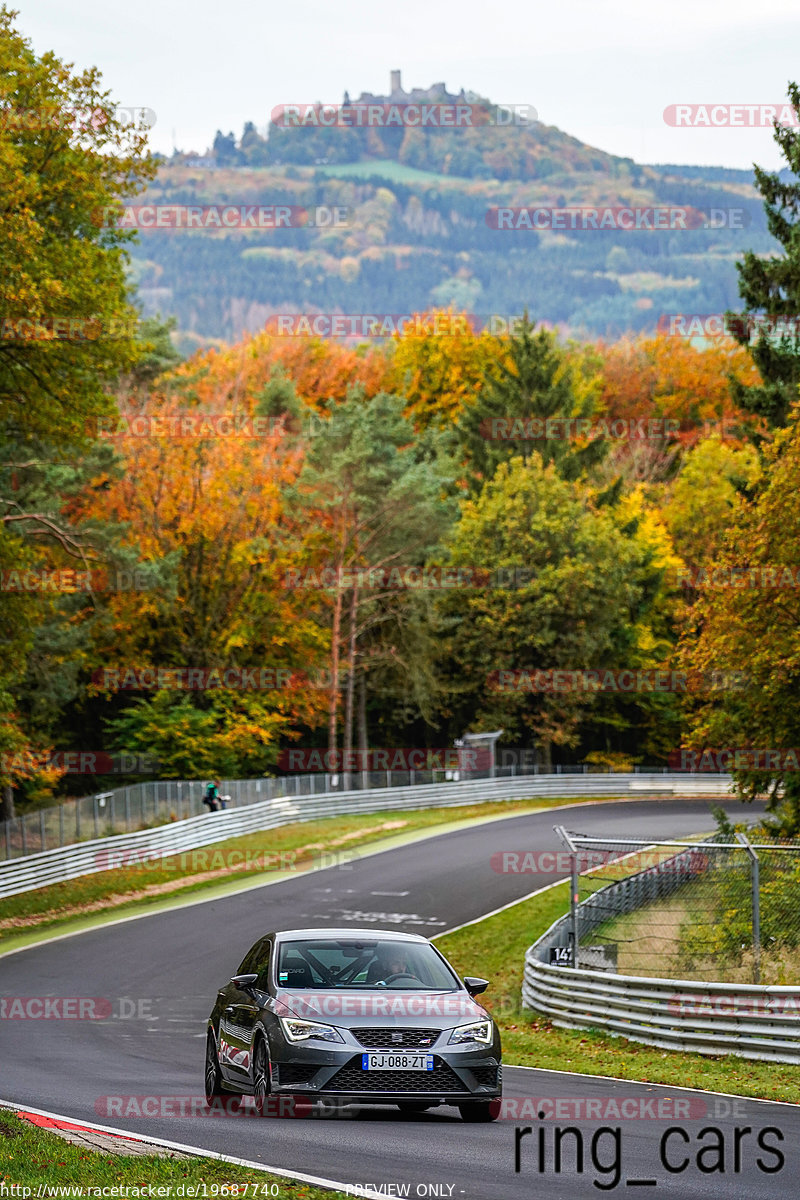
(7, 805)
(363, 749)
(351, 681)
(333, 704)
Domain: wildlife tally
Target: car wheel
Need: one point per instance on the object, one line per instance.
(213, 1075)
(413, 1106)
(482, 1110)
(261, 1078)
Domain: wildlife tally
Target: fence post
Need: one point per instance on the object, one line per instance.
(756, 905)
(573, 895)
(41, 828)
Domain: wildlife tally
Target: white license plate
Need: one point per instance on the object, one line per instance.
(396, 1062)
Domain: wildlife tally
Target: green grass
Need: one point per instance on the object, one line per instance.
(33, 1157)
(137, 886)
(495, 948)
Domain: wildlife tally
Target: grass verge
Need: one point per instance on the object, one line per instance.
(495, 948)
(36, 1158)
(254, 857)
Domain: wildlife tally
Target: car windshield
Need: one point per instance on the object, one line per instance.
(340, 963)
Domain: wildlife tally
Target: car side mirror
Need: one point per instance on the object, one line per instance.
(474, 985)
(243, 982)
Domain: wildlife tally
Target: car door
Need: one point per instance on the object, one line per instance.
(239, 1016)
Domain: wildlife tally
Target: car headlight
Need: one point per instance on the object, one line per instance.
(476, 1031)
(299, 1031)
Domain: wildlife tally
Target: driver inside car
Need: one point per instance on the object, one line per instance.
(388, 965)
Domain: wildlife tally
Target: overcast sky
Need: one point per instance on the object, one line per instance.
(601, 70)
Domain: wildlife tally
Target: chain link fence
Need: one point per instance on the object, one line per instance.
(707, 910)
(157, 802)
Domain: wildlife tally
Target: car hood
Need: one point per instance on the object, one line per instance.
(386, 1007)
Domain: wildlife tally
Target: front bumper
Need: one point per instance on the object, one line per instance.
(460, 1073)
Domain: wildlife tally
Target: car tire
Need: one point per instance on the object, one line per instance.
(480, 1110)
(261, 1078)
(413, 1106)
(212, 1074)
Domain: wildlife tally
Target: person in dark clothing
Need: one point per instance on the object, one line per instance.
(211, 798)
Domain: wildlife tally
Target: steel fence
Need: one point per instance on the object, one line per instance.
(157, 802)
(249, 814)
(714, 894)
(722, 912)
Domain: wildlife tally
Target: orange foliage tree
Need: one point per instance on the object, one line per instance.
(669, 378)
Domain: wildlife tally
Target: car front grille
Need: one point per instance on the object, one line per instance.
(395, 1039)
(351, 1078)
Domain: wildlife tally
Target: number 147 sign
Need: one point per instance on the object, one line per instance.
(561, 956)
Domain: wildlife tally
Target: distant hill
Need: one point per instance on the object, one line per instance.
(417, 233)
(395, 126)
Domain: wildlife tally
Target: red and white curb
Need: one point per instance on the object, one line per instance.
(117, 1138)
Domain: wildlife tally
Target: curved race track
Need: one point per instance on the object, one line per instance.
(160, 974)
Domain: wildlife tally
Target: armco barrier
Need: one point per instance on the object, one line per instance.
(676, 1014)
(85, 858)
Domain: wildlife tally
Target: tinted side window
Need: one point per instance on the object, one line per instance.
(253, 956)
(261, 964)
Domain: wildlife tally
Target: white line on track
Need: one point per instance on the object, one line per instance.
(318, 1180)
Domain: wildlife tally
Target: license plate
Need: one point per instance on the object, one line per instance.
(396, 1062)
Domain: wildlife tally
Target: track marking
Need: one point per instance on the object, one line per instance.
(197, 1152)
(675, 1087)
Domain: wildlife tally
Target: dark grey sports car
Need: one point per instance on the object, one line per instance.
(357, 1015)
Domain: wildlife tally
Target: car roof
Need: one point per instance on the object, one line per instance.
(358, 934)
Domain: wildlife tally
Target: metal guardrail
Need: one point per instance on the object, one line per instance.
(99, 854)
(675, 1014)
(159, 801)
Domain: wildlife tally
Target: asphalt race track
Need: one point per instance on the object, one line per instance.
(160, 974)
